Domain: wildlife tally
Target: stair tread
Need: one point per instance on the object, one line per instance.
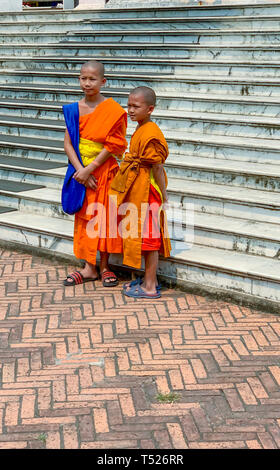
(18, 186)
(166, 113)
(191, 161)
(215, 164)
(217, 258)
(135, 75)
(255, 197)
(30, 163)
(222, 191)
(140, 32)
(208, 139)
(148, 45)
(271, 100)
(233, 225)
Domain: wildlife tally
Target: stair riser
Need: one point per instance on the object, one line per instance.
(194, 105)
(33, 206)
(230, 152)
(56, 245)
(32, 132)
(226, 207)
(246, 38)
(193, 11)
(241, 244)
(62, 245)
(187, 126)
(206, 204)
(160, 84)
(213, 279)
(134, 23)
(22, 176)
(208, 176)
(225, 177)
(28, 152)
(131, 51)
(190, 68)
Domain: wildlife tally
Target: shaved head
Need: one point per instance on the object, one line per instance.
(147, 93)
(94, 64)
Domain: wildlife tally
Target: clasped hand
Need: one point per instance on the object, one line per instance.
(85, 177)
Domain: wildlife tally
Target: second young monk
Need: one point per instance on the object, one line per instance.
(141, 184)
(102, 128)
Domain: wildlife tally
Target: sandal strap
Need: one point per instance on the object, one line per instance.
(107, 274)
(77, 277)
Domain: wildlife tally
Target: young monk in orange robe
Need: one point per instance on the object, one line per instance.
(141, 181)
(102, 129)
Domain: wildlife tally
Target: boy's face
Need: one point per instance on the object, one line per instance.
(91, 81)
(138, 109)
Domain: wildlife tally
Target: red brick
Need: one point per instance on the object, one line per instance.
(70, 436)
(176, 379)
(127, 405)
(100, 420)
(53, 440)
(246, 394)
(176, 435)
(163, 440)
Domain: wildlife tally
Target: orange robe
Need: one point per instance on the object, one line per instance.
(107, 126)
(132, 184)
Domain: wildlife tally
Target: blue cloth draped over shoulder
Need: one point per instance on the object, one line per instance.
(73, 193)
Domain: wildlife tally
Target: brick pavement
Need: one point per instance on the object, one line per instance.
(83, 367)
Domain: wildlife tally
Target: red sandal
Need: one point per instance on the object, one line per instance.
(106, 276)
(77, 278)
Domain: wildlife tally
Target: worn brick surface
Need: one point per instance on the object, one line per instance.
(81, 367)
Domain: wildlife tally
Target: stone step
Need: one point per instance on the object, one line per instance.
(191, 167)
(254, 276)
(49, 101)
(229, 172)
(34, 171)
(228, 148)
(51, 107)
(57, 22)
(215, 84)
(53, 70)
(186, 126)
(159, 11)
(218, 199)
(235, 234)
(259, 52)
(187, 36)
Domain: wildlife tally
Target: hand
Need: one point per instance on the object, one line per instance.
(82, 175)
(91, 183)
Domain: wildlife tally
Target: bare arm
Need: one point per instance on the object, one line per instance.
(159, 176)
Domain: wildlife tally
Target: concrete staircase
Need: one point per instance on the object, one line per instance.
(216, 74)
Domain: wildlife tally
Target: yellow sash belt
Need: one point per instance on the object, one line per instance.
(89, 150)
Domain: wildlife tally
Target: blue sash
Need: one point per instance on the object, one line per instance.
(73, 193)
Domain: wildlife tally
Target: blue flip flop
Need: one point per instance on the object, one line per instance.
(138, 281)
(137, 292)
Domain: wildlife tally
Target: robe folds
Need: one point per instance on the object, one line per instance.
(104, 127)
(134, 183)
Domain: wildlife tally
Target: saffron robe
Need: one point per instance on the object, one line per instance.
(132, 184)
(104, 127)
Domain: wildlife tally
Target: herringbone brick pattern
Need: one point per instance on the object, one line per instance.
(82, 367)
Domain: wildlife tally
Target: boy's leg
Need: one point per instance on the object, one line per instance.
(111, 280)
(150, 278)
